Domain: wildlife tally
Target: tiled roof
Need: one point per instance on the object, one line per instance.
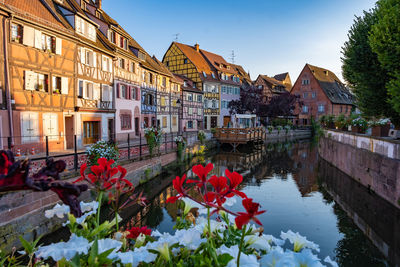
(242, 73)
(334, 89)
(276, 86)
(162, 68)
(35, 10)
(198, 60)
(281, 77)
(216, 61)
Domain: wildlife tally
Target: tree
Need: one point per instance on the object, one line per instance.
(250, 99)
(280, 105)
(363, 71)
(384, 39)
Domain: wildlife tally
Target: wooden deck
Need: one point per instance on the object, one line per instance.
(238, 136)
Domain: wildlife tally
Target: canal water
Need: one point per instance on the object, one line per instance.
(300, 192)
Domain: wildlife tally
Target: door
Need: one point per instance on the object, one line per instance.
(227, 120)
(214, 122)
(137, 126)
(69, 132)
(91, 130)
(110, 129)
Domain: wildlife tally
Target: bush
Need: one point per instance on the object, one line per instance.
(201, 136)
(341, 122)
(281, 122)
(153, 137)
(102, 149)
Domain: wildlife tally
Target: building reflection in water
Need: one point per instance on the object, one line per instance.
(374, 216)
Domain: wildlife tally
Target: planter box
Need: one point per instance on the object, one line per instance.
(381, 130)
(356, 129)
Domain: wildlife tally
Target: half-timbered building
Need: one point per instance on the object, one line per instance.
(94, 102)
(190, 62)
(40, 55)
(126, 73)
(192, 105)
(270, 86)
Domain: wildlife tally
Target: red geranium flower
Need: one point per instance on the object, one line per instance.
(235, 179)
(220, 185)
(134, 232)
(251, 211)
(202, 173)
(178, 186)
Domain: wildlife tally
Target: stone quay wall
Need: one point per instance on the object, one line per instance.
(373, 162)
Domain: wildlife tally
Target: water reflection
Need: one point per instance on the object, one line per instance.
(302, 193)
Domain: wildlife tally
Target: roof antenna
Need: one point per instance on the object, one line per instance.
(233, 57)
(176, 36)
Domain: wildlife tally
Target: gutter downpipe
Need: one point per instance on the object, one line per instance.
(7, 80)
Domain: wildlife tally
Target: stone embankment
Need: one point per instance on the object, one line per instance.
(374, 162)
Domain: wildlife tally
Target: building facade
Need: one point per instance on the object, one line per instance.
(322, 93)
(270, 87)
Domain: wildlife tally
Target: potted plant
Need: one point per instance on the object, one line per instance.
(341, 122)
(270, 129)
(380, 127)
(359, 125)
(180, 144)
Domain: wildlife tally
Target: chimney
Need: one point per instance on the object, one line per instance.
(197, 47)
(98, 4)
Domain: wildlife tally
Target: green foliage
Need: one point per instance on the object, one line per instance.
(270, 129)
(89, 229)
(384, 39)
(316, 129)
(201, 136)
(102, 149)
(213, 131)
(281, 122)
(341, 122)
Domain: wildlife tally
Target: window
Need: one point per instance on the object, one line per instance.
(305, 82)
(305, 95)
(112, 36)
(321, 108)
(205, 103)
(36, 81)
(167, 63)
(85, 28)
(174, 120)
(124, 93)
(223, 89)
(149, 99)
(162, 101)
(260, 87)
(141, 55)
(48, 43)
(151, 78)
(341, 109)
(56, 85)
(106, 64)
(305, 109)
(125, 44)
(204, 74)
(50, 126)
(190, 97)
(88, 91)
(214, 104)
(190, 124)
(121, 41)
(199, 112)
(164, 122)
(133, 67)
(185, 61)
(313, 94)
(190, 111)
(122, 63)
(185, 84)
(106, 95)
(80, 89)
(213, 75)
(29, 127)
(126, 121)
(199, 98)
(88, 57)
(16, 33)
(164, 81)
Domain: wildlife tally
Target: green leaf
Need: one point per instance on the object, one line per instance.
(27, 246)
(223, 259)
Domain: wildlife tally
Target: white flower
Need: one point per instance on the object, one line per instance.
(65, 250)
(89, 206)
(190, 238)
(273, 256)
(189, 204)
(306, 258)
(202, 225)
(107, 244)
(257, 242)
(299, 241)
(136, 256)
(229, 202)
(273, 239)
(330, 261)
(245, 260)
(58, 210)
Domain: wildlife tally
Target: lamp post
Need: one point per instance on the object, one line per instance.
(180, 115)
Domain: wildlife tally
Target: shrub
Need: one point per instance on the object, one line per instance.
(153, 137)
(102, 149)
(201, 136)
(341, 122)
(270, 129)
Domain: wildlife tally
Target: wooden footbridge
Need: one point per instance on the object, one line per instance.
(240, 136)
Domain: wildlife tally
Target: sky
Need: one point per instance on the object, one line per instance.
(267, 36)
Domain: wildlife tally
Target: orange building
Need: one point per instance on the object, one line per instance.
(40, 55)
(321, 93)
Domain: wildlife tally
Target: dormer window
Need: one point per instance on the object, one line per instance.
(185, 61)
(141, 55)
(85, 28)
(204, 74)
(185, 83)
(97, 14)
(213, 75)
